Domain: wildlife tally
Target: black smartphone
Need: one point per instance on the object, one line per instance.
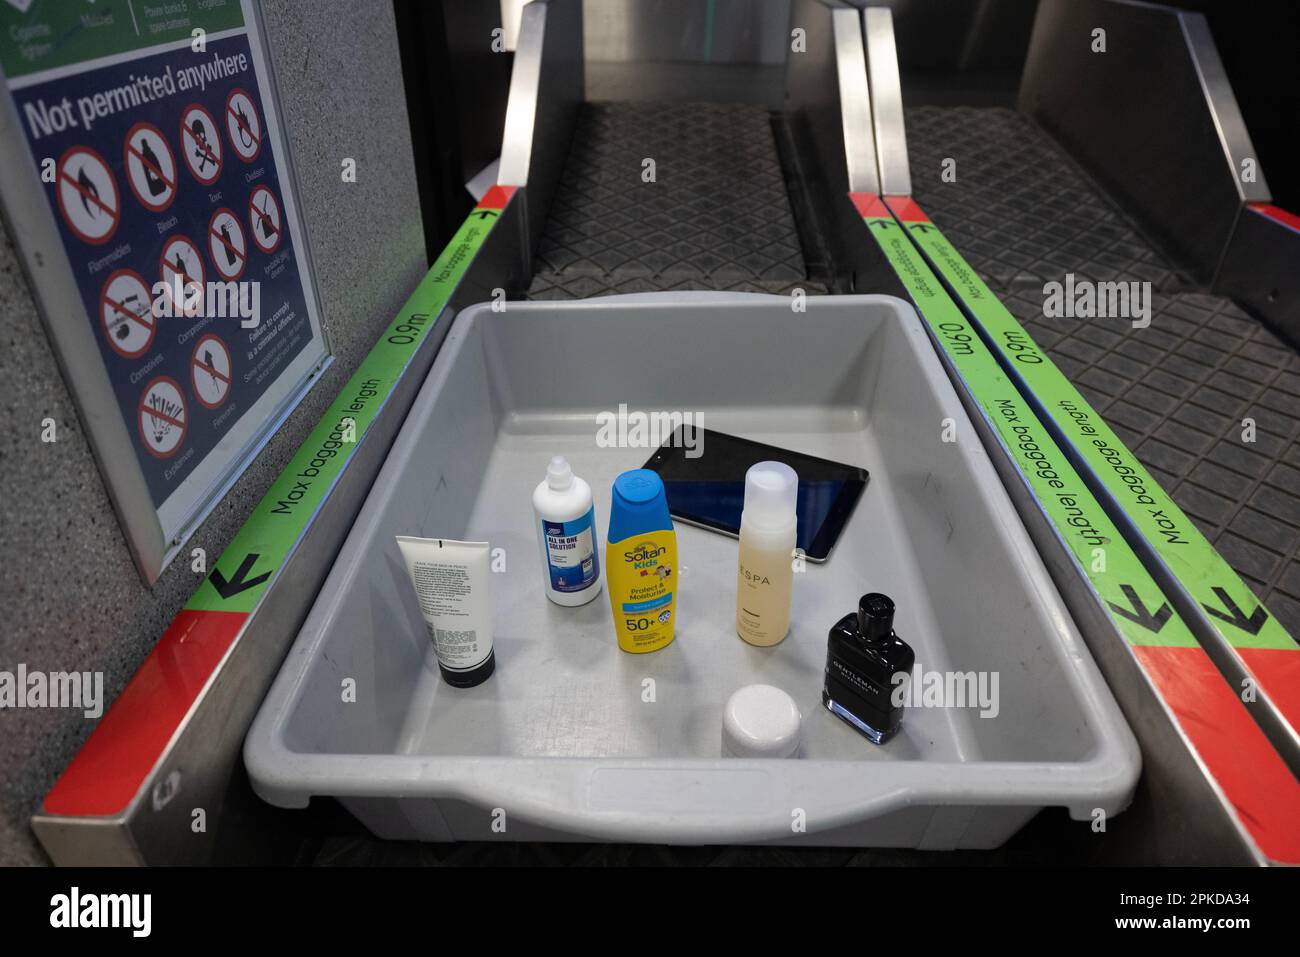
(705, 484)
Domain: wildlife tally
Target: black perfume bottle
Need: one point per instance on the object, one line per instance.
(862, 657)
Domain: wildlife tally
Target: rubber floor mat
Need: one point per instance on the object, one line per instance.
(1182, 392)
(658, 196)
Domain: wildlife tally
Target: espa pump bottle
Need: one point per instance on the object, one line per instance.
(768, 531)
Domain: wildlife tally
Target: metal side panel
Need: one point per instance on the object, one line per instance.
(828, 117)
(826, 91)
(546, 89)
(1261, 269)
(1152, 115)
(210, 671)
(886, 102)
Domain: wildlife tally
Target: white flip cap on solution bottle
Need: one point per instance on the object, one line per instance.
(559, 473)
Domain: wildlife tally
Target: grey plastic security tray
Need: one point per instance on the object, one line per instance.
(573, 739)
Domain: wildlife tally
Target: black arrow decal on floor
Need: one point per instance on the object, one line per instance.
(485, 213)
(231, 588)
(921, 227)
(882, 223)
(1140, 614)
(1235, 616)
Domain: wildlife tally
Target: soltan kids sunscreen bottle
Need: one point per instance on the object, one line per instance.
(641, 562)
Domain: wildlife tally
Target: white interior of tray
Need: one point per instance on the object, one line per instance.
(846, 381)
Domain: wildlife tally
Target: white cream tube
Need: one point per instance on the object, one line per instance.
(451, 581)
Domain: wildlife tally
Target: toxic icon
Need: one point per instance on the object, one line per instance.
(202, 151)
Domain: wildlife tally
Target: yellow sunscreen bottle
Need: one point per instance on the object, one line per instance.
(641, 562)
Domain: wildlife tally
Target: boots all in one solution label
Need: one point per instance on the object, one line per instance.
(153, 138)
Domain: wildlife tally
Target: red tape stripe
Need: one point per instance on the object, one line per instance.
(128, 741)
(1255, 779)
(496, 198)
(869, 205)
(906, 209)
(1290, 220)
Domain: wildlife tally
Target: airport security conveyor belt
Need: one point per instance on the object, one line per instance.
(1023, 213)
(715, 216)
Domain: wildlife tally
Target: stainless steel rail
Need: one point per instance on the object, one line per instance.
(546, 89)
(1184, 177)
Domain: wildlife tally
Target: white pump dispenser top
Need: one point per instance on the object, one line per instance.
(771, 494)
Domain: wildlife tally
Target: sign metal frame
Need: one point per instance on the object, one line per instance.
(155, 533)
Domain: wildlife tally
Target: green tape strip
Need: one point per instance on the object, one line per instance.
(1240, 617)
(1135, 601)
(248, 565)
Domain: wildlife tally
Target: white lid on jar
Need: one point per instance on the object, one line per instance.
(760, 721)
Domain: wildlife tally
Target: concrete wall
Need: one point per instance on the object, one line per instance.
(72, 597)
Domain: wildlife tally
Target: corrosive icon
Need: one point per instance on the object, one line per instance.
(150, 167)
(243, 125)
(210, 371)
(201, 144)
(126, 313)
(162, 417)
(87, 194)
(264, 219)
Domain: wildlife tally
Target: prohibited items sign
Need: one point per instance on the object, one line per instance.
(181, 268)
(163, 418)
(201, 144)
(243, 125)
(210, 371)
(126, 311)
(264, 219)
(88, 195)
(150, 167)
(226, 244)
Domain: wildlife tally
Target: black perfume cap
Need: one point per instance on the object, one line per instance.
(875, 617)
